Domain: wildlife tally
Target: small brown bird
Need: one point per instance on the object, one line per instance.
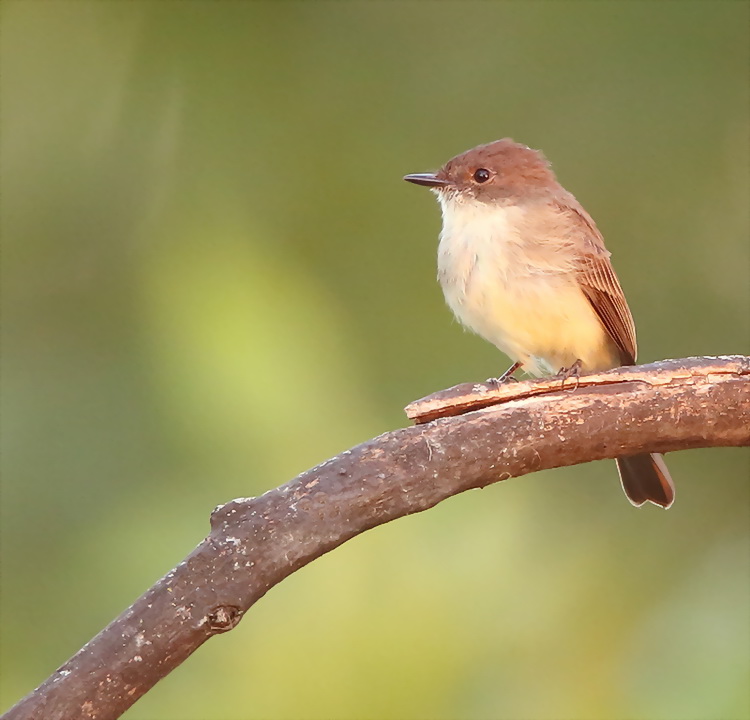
(523, 265)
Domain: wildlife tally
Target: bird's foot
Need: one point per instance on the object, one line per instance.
(507, 376)
(573, 371)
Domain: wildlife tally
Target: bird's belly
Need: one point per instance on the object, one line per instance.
(542, 320)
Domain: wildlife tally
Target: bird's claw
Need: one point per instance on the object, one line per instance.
(498, 381)
(573, 371)
(507, 376)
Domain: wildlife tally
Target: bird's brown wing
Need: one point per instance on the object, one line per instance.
(599, 282)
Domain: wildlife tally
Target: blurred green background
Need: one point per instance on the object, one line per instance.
(215, 278)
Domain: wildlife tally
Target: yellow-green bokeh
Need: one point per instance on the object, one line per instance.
(214, 278)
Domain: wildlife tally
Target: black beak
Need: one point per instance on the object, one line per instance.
(426, 179)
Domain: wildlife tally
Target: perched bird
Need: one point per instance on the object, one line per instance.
(523, 265)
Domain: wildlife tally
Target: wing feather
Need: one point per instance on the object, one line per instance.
(599, 282)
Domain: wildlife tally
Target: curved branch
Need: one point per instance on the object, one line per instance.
(255, 543)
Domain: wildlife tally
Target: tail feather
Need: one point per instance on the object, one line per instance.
(646, 478)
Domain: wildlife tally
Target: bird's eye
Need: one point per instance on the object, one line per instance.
(482, 175)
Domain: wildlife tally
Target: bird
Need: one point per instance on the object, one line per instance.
(524, 266)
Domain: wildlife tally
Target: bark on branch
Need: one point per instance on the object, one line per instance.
(255, 543)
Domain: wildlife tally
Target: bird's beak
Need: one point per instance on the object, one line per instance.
(427, 179)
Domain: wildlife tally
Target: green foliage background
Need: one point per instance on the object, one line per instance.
(214, 278)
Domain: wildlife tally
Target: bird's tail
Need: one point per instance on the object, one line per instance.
(645, 477)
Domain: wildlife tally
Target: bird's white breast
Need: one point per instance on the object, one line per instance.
(515, 286)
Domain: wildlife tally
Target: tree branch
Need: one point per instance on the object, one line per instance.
(255, 543)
